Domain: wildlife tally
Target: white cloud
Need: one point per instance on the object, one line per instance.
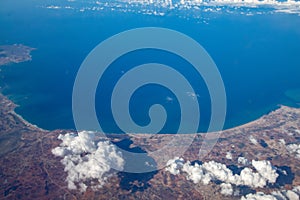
(212, 170)
(229, 156)
(53, 7)
(266, 170)
(85, 159)
(196, 173)
(151, 7)
(243, 161)
(253, 140)
(219, 171)
(294, 149)
(297, 190)
(293, 194)
(258, 196)
(249, 178)
(226, 189)
(169, 99)
(175, 165)
(282, 141)
(193, 95)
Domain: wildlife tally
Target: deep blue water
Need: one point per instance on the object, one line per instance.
(257, 56)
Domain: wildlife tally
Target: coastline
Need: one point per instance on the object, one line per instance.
(28, 124)
(25, 142)
(12, 106)
(24, 55)
(15, 53)
(29, 169)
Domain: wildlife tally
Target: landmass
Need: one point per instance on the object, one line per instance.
(30, 170)
(14, 54)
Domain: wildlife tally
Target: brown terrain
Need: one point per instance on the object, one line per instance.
(14, 53)
(28, 169)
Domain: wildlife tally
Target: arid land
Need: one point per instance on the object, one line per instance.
(29, 170)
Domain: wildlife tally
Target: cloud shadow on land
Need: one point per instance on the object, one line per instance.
(136, 181)
(286, 177)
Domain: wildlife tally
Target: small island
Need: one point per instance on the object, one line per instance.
(15, 53)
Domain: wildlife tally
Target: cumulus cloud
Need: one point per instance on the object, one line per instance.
(243, 161)
(86, 159)
(258, 196)
(174, 165)
(229, 155)
(294, 149)
(226, 189)
(266, 170)
(293, 194)
(253, 140)
(196, 173)
(282, 141)
(249, 178)
(212, 171)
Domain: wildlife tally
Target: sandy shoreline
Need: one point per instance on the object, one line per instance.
(246, 125)
(26, 146)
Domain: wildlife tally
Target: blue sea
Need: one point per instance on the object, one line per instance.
(257, 56)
